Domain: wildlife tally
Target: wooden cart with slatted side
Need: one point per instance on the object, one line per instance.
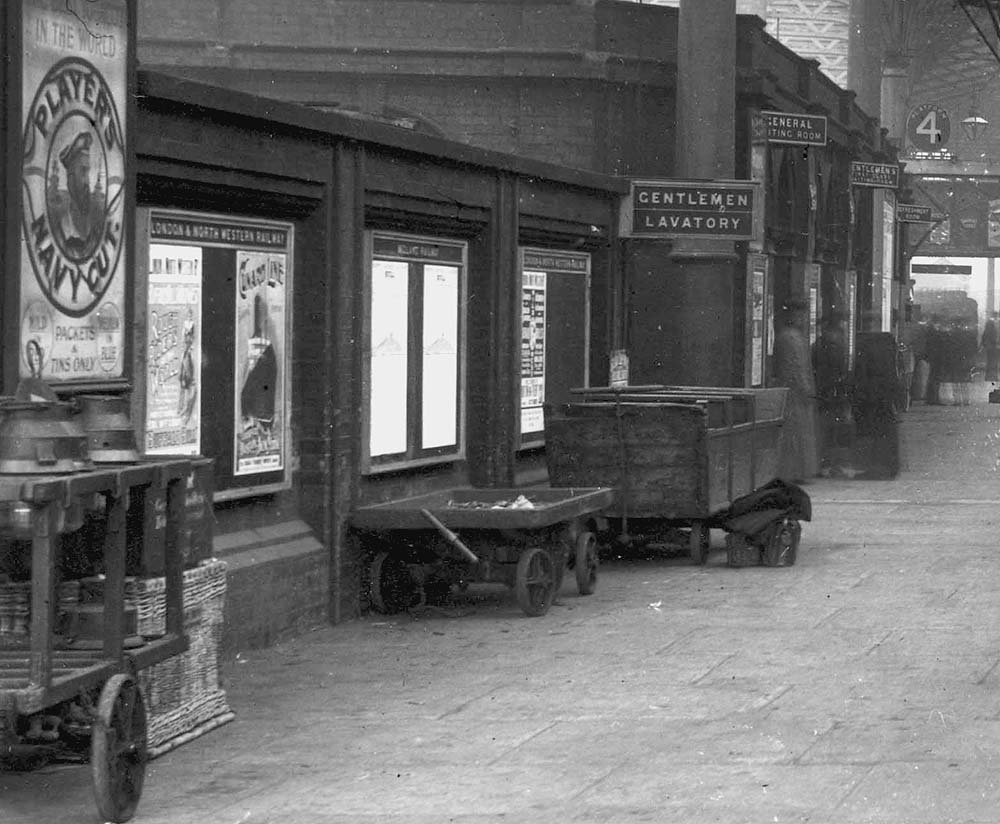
(424, 545)
(677, 455)
(57, 697)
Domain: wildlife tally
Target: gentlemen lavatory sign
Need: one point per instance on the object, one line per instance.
(73, 256)
(690, 208)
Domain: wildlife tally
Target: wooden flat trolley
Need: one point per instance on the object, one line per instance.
(84, 698)
(523, 538)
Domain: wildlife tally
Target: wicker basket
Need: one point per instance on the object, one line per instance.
(15, 610)
(740, 551)
(204, 588)
(149, 597)
(183, 695)
(169, 730)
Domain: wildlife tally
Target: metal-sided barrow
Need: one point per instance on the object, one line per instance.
(418, 555)
(57, 697)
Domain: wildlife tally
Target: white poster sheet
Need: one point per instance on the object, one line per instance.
(439, 413)
(389, 357)
(260, 359)
(173, 351)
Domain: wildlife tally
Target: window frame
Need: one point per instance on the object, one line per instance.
(536, 438)
(230, 485)
(418, 257)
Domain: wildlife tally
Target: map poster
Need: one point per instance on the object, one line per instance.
(260, 346)
(73, 176)
(532, 351)
(173, 351)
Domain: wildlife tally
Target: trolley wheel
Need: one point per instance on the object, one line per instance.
(118, 749)
(436, 591)
(698, 542)
(586, 563)
(535, 581)
(392, 586)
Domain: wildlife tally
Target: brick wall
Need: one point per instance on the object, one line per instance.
(271, 601)
(277, 581)
(537, 78)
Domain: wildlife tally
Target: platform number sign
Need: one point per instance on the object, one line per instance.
(928, 128)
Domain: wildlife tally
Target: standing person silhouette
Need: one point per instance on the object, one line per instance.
(990, 346)
(793, 368)
(829, 356)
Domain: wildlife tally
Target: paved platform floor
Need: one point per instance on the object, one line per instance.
(860, 685)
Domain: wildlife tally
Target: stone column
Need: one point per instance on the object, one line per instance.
(864, 62)
(706, 88)
(705, 149)
(895, 90)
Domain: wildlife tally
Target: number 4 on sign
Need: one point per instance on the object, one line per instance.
(928, 127)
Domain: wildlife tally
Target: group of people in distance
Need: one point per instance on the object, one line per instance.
(829, 407)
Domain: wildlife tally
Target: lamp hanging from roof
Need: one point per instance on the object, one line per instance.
(975, 125)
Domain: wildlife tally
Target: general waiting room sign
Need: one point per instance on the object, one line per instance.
(690, 208)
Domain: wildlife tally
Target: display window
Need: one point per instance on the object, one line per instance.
(555, 333)
(415, 344)
(215, 341)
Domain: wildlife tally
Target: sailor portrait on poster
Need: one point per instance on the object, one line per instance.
(77, 209)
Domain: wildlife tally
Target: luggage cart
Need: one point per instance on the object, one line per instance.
(677, 455)
(57, 696)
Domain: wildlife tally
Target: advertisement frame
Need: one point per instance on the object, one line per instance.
(538, 269)
(67, 290)
(228, 233)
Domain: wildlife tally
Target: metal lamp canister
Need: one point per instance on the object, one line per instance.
(41, 438)
(107, 422)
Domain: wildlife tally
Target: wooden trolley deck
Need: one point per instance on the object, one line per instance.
(523, 538)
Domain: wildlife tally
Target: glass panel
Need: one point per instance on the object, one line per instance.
(440, 364)
(390, 328)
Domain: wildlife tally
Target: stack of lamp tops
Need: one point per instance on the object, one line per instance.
(43, 435)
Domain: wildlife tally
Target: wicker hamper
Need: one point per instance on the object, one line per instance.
(183, 696)
(741, 551)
